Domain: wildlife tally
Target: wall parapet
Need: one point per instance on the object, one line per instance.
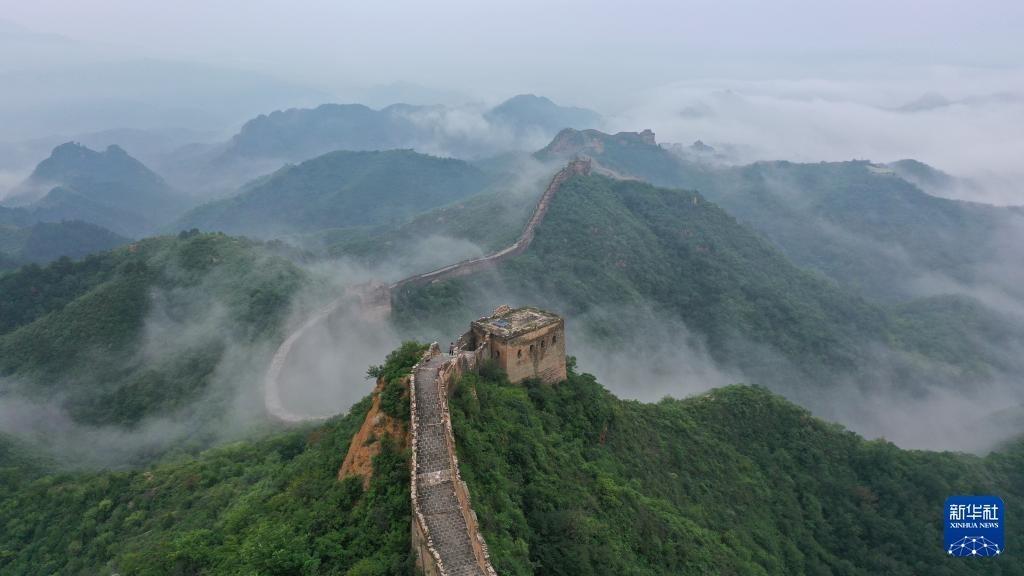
(522, 243)
(446, 536)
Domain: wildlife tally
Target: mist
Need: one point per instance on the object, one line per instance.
(970, 131)
(795, 81)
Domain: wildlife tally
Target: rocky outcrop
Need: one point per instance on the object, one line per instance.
(367, 442)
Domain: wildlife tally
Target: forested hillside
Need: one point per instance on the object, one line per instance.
(271, 505)
(108, 188)
(566, 479)
(340, 190)
(608, 247)
(861, 224)
(42, 242)
(143, 331)
(569, 480)
(481, 223)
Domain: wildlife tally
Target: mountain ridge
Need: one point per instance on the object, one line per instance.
(109, 188)
(339, 189)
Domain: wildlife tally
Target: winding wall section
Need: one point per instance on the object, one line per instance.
(378, 297)
(522, 243)
(445, 534)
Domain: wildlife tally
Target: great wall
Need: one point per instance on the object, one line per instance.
(378, 298)
(446, 538)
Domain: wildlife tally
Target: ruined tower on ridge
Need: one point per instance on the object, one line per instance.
(525, 342)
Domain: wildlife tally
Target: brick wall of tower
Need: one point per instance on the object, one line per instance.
(536, 354)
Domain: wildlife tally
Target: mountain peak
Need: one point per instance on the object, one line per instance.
(530, 110)
(571, 142)
(115, 150)
(700, 146)
(529, 99)
(70, 149)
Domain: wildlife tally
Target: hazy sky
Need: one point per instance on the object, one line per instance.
(793, 79)
(573, 50)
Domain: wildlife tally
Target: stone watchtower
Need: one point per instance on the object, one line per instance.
(525, 342)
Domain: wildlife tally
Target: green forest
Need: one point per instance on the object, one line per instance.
(339, 190)
(565, 479)
(869, 227)
(609, 245)
(140, 331)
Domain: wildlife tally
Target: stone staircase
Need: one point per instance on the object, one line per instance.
(445, 533)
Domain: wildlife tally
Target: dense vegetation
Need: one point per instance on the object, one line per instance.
(487, 221)
(43, 242)
(609, 244)
(616, 256)
(567, 479)
(271, 506)
(338, 190)
(861, 224)
(864, 226)
(394, 399)
(141, 330)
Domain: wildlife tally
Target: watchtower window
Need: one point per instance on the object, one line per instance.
(531, 348)
(541, 343)
(519, 354)
(554, 338)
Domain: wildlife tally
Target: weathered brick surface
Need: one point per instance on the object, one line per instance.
(436, 485)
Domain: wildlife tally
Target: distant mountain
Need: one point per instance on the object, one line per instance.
(340, 189)
(933, 101)
(301, 133)
(630, 153)
(935, 181)
(927, 101)
(466, 132)
(869, 227)
(527, 112)
(108, 188)
(41, 242)
(150, 146)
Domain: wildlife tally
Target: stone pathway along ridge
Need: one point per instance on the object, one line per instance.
(435, 501)
(272, 398)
